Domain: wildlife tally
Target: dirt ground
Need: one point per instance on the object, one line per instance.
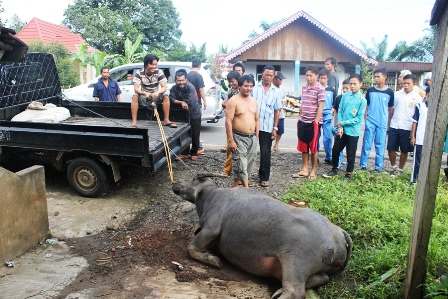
(131, 255)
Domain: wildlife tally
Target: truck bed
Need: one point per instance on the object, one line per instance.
(100, 136)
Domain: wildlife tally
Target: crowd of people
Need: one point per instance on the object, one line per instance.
(255, 117)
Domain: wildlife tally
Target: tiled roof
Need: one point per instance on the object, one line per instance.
(300, 14)
(39, 30)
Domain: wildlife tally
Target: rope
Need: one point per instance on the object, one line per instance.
(165, 145)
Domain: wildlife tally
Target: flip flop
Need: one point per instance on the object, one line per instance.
(299, 175)
(264, 184)
(171, 125)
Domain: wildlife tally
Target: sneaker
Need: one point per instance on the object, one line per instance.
(395, 167)
(348, 177)
(328, 161)
(396, 172)
(380, 171)
(363, 168)
(331, 173)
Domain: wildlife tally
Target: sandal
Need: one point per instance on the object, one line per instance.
(264, 184)
(171, 125)
(299, 175)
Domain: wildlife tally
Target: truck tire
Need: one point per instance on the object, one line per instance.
(87, 176)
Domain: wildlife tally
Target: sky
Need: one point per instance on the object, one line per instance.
(230, 22)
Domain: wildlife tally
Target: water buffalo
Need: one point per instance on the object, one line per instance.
(264, 236)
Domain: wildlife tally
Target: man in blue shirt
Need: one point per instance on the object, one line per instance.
(106, 89)
(269, 105)
(380, 102)
(350, 116)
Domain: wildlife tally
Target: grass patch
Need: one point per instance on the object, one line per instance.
(376, 210)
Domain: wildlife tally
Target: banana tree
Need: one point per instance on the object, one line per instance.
(97, 58)
(82, 57)
(129, 53)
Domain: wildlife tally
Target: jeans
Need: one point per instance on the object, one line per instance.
(376, 134)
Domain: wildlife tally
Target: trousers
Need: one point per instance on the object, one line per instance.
(373, 134)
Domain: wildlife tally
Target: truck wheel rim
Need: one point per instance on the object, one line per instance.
(85, 179)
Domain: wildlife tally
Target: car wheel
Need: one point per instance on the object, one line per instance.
(87, 176)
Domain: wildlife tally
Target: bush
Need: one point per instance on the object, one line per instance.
(376, 210)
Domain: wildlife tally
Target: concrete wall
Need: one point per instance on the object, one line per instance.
(23, 211)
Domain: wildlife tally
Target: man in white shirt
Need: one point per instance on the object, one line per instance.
(400, 126)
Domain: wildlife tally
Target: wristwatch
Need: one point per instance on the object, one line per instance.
(276, 128)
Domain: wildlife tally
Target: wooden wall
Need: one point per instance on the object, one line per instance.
(302, 41)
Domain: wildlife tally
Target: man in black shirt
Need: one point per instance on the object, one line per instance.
(183, 93)
(198, 82)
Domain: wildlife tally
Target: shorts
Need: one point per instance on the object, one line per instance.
(143, 101)
(308, 134)
(281, 126)
(399, 139)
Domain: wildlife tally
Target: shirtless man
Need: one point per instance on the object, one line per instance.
(242, 128)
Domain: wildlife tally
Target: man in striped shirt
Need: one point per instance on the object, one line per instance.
(150, 85)
(308, 126)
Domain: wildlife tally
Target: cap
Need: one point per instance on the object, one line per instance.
(428, 76)
(279, 75)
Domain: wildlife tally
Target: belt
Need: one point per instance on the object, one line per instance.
(243, 135)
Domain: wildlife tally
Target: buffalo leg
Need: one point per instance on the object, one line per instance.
(196, 248)
(316, 280)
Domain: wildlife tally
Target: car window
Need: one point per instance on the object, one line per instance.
(121, 76)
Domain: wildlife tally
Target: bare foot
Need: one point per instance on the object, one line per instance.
(133, 125)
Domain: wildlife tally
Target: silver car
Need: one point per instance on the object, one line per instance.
(214, 109)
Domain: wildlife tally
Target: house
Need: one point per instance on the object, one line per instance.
(39, 30)
(295, 43)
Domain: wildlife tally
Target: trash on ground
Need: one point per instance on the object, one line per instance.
(10, 264)
(177, 265)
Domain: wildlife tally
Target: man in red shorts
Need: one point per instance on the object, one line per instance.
(313, 99)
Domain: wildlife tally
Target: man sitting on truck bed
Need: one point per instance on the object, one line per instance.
(150, 85)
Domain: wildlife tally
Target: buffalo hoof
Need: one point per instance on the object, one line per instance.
(277, 294)
(214, 261)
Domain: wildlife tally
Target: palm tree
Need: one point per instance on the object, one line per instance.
(98, 58)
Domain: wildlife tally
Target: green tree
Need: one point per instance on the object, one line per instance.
(376, 50)
(181, 53)
(223, 48)
(421, 49)
(105, 24)
(67, 75)
(130, 54)
(15, 23)
(366, 74)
